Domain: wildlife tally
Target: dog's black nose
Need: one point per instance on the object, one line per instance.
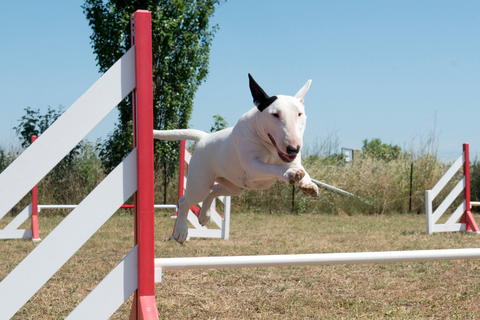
(292, 150)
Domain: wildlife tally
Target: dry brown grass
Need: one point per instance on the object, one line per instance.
(441, 290)
(385, 184)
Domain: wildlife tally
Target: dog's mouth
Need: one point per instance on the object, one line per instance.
(285, 157)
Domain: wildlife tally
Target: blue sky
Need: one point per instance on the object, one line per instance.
(380, 69)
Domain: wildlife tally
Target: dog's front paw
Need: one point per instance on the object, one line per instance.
(294, 175)
(180, 233)
(310, 189)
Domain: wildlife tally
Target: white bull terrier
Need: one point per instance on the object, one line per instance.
(264, 146)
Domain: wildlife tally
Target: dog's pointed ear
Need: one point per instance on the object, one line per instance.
(302, 92)
(260, 99)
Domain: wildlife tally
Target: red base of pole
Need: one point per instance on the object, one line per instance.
(470, 221)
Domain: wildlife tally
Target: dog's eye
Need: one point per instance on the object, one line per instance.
(300, 114)
(276, 115)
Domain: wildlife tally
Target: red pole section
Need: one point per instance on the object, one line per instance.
(35, 235)
(466, 173)
(145, 305)
(467, 216)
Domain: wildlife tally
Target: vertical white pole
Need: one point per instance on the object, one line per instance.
(428, 211)
(226, 219)
(213, 207)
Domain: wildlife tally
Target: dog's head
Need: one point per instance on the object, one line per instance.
(282, 119)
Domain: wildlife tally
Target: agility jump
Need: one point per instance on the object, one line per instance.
(11, 230)
(139, 270)
(462, 213)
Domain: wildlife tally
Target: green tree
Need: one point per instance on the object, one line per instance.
(35, 123)
(219, 124)
(181, 40)
(378, 150)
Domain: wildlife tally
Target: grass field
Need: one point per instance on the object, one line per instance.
(433, 290)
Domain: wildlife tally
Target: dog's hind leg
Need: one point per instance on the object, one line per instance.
(192, 196)
(217, 191)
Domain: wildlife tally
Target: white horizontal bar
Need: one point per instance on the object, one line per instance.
(15, 234)
(448, 200)
(314, 259)
(205, 233)
(332, 188)
(56, 206)
(448, 175)
(475, 204)
(450, 227)
(165, 206)
(73, 206)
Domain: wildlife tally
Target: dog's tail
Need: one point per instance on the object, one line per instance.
(179, 134)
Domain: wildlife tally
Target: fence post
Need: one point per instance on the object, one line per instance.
(144, 304)
(466, 173)
(428, 211)
(467, 217)
(35, 235)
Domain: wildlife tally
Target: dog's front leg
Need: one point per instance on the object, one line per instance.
(308, 187)
(296, 174)
(259, 170)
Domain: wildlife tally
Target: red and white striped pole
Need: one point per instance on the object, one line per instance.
(144, 304)
(35, 235)
(467, 215)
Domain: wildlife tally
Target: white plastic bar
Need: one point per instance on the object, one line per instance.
(448, 200)
(458, 213)
(205, 233)
(448, 175)
(20, 218)
(49, 256)
(16, 234)
(165, 206)
(73, 206)
(56, 206)
(314, 259)
(332, 188)
(428, 211)
(226, 220)
(78, 120)
(475, 204)
(112, 292)
(188, 156)
(450, 228)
